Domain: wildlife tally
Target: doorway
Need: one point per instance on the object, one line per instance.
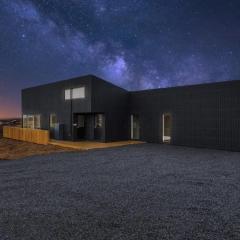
(166, 127)
(99, 126)
(89, 126)
(80, 126)
(135, 127)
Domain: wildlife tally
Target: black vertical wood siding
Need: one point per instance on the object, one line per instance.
(206, 115)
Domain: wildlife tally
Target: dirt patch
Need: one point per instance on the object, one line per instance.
(12, 149)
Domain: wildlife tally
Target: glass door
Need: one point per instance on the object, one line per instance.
(135, 127)
(99, 126)
(167, 127)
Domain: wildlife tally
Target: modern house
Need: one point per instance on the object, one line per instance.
(206, 115)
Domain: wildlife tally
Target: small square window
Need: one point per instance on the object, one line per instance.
(78, 93)
(32, 121)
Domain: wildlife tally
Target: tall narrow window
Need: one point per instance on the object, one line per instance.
(80, 121)
(166, 127)
(37, 121)
(53, 120)
(25, 121)
(67, 94)
(135, 127)
(99, 118)
(30, 121)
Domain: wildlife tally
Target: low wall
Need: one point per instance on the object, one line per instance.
(26, 134)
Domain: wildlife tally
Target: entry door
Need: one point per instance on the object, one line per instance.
(99, 126)
(135, 127)
(167, 127)
(80, 126)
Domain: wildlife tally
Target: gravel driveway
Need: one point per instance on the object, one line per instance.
(146, 191)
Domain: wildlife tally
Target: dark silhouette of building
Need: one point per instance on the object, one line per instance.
(206, 115)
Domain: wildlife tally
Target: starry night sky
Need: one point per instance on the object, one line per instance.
(136, 44)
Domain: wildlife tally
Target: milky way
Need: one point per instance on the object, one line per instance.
(133, 43)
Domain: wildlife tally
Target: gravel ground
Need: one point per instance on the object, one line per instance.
(146, 191)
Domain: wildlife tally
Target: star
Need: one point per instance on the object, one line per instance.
(23, 36)
(136, 44)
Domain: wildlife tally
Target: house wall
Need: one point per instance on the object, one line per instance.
(113, 101)
(205, 115)
(50, 98)
(101, 97)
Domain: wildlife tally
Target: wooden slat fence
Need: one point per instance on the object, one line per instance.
(26, 134)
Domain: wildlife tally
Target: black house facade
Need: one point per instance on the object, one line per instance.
(89, 108)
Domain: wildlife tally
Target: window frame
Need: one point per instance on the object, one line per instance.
(67, 94)
(79, 95)
(75, 93)
(51, 117)
(37, 121)
(32, 124)
(99, 118)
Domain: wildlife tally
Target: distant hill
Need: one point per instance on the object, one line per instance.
(9, 119)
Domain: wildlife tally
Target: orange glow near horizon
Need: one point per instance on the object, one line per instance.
(9, 111)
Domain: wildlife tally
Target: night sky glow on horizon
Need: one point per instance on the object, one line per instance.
(136, 44)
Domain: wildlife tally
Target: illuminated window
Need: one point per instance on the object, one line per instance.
(37, 121)
(75, 93)
(32, 121)
(135, 127)
(78, 93)
(25, 121)
(53, 120)
(67, 94)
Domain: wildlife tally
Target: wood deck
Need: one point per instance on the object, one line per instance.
(87, 145)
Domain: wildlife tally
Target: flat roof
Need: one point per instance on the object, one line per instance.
(210, 84)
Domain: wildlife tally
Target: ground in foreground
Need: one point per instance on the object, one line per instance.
(146, 191)
(12, 149)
